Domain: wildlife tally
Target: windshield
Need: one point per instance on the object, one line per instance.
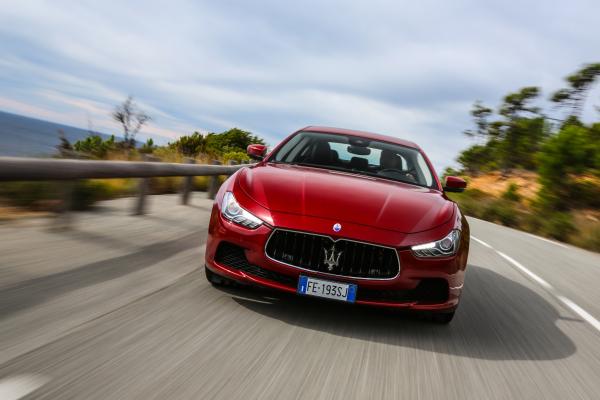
(357, 155)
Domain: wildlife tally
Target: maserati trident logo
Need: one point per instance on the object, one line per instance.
(331, 258)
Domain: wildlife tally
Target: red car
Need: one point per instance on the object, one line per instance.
(346, 215)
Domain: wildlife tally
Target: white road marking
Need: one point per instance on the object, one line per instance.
(481, 242)
(581, 312)
(527, 272)
(17, 387)
(567, 302)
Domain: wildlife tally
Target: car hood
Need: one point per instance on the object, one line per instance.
(345, 197)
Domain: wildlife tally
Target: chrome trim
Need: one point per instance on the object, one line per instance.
(333, 240)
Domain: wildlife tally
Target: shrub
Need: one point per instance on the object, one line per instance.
(95, 146)
(502, 211)
(238, 156)
(554, 224)
(589, 239)
(86, 193)
(512, 193)
(472, 202)
(31, 195)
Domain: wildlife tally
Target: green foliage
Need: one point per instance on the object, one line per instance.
(512, 193)
(94, 146)
(32, 195)
(480, 114)
(512, 140)
(517, 103)
(578, 86)
(449, 171)
(87, 193)
(190, 146)
(228, 145)
(502, 211)
(573, 151)
(555, 224)
(148, 147)
(45, 196)
(472, 202)
(237, 156)
(233, 140)
(480, 158)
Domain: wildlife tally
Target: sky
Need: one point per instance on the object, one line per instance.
(402, 68)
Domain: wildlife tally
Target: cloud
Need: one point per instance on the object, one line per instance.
(397, 67)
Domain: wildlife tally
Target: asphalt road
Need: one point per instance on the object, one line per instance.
(118, 308)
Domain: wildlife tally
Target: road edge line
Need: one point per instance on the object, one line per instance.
(570, 304)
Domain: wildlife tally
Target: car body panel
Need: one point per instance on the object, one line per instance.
(316, 192)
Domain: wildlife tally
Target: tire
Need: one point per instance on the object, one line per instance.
(442, 318)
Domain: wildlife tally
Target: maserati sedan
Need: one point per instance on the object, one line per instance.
(344, 215)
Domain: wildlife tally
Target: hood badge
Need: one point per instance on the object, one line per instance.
(331, 259)
(337, 227)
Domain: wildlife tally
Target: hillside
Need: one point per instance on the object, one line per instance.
(511, 199)
(495, 183)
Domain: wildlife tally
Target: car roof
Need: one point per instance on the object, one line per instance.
(365, 134)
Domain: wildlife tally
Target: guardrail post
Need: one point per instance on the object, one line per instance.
(187, 184)
(64, 217)
(213, 182)
(143, 188)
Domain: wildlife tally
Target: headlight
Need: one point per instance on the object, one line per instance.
(441, 248)
(231, 210)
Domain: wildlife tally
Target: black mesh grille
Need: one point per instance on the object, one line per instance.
(234, 257)
(355, 259)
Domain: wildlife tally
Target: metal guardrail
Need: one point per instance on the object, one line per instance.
(40, 169)
(50, 169)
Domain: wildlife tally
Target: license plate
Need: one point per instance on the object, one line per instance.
(327, 289)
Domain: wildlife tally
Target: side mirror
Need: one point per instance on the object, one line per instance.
(455, 184)
(256, 151)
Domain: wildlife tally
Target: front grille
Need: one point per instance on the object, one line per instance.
(323, 254)
(233, 256)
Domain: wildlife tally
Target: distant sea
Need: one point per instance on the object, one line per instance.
(23, 136)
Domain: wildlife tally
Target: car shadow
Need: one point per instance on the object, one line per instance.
(499, 319)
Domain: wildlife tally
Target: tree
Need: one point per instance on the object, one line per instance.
(579, 84)
(512, 140)
(232, 140)
(564, 157)
(480, 114)
(517, 103)
(131, 119)
(190, 146)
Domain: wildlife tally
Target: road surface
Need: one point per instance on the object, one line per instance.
(119, 308)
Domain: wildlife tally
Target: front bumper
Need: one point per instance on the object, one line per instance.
(410, 289)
